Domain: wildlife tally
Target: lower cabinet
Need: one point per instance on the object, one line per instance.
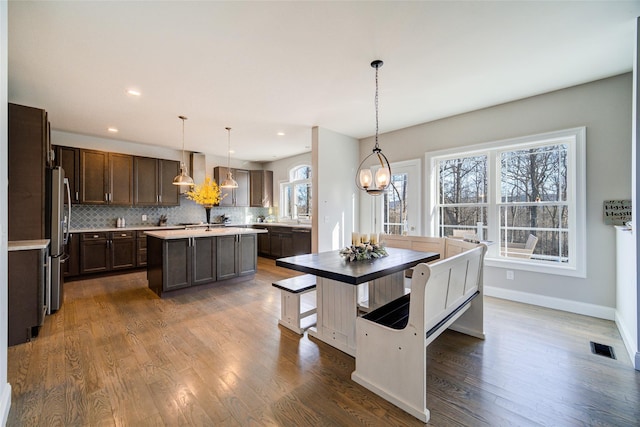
(181, 263)
(237, 255)
(107, 251)
(282, 241)
(26, 276)
(71, 266)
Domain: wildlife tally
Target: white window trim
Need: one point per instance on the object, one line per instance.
(578, 220)
(291, 184)
(413, 168)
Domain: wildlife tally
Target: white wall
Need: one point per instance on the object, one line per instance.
(5, 387)
(604, 107)
(335, 209)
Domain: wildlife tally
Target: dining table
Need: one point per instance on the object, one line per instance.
(337, 281)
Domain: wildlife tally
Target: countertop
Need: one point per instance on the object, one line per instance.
(188, 227)
(201, 232)
(27, 245)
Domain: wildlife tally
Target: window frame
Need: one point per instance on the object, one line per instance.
(575, 138)
(291, 183)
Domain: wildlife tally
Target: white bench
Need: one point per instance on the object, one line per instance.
(292, 309)
(391, 354)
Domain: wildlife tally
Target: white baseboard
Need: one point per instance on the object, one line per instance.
(599, 311)
(5, 403)
(629, 341)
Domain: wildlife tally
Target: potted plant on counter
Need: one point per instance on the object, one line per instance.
(206, 194)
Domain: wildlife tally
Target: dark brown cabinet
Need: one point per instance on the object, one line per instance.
(141, 249)
(301, 241)
(28, 145)
(68, 158)
(234, 196)
(236, 255)
(106, 178)
(174, 264)
(107, 251)
(71, 266)
(153, 182)
(26, 294)
(261, 188)
(281, 241)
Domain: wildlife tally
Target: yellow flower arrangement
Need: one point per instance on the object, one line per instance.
(206, 194)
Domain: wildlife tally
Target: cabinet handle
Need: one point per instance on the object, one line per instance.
(123, 235)
(95, 236)
(106, 197)
(160, 198)
(77, 196)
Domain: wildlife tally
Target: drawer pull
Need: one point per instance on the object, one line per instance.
(123, 235)
(95, 236)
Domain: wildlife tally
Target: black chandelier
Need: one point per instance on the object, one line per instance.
(364, 176)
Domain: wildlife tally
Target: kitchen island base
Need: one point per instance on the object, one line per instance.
(184, 260)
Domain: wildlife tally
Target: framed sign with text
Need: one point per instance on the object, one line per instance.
(617, 212)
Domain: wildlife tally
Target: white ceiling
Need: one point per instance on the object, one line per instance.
(267, 67)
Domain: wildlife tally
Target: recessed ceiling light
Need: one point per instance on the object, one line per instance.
(134, 92)
(280, 134)
(232, 151)
(112, 130)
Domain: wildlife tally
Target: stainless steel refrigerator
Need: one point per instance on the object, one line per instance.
(60, 214)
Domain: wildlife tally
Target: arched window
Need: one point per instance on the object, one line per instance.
(295, 195)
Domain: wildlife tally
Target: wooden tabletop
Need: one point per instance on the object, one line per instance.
(332, 266)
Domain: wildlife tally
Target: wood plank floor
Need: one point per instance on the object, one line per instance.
(116, 354)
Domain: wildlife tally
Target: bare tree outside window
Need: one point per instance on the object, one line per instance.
(534, 200)
(394, 219)
(462, 194)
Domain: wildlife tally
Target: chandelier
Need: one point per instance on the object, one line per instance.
(364, 176)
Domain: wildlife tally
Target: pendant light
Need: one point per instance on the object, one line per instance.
(183, 179)
(364, 177)
(229, 182)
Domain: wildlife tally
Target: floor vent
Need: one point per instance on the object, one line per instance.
(602, 350)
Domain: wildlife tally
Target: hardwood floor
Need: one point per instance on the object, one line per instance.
(116, 354)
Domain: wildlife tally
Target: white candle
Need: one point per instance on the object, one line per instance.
(374, 238)
(364, 238)
(355, 238)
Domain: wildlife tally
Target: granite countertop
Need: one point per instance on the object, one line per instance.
(27, 245)
(190, 226)
(199, 232)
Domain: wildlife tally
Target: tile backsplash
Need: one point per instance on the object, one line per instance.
(94, 216)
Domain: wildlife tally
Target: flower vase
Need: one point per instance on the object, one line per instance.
(207, 209)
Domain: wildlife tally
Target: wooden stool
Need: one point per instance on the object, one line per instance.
(291, 310)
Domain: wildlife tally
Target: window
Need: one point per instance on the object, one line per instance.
(398, 211)
(394, 213)
(295, 195)
(526, 195)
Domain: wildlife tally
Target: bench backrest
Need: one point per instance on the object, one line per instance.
(439, 288)
(417, 243)
(446, 247)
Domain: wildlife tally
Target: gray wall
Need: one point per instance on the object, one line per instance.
(604, 107)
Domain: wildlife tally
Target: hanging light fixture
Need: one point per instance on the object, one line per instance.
(364, 177)
(183, 177)
(229, 182)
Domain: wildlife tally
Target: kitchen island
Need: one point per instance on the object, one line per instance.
(181, 260)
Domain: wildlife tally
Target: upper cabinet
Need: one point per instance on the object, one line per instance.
(153, 182)
(106, 178)
(261, 189)
(68, 158)
(28, 147)
(102, 178)
(234, 196)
